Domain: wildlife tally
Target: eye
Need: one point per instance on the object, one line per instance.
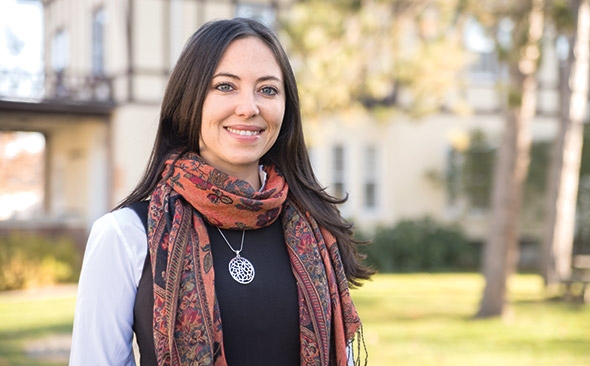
(269, 90)
(224, 87)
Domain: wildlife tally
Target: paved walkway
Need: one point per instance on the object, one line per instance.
(66, 290)
(56, 347)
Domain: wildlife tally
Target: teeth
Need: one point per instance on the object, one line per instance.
(243, 132)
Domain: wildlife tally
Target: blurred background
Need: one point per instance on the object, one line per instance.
(455, 127)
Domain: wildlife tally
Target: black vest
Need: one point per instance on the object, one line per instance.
(260, 320)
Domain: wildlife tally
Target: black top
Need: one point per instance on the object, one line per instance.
(260, 320)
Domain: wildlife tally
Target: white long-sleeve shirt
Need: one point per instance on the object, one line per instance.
(112, 267)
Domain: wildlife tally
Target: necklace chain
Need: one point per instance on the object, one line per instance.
(227, 241)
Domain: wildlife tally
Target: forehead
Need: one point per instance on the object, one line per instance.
(249, 55)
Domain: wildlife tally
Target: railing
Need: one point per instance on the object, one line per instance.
(19, 85)
(576, 286)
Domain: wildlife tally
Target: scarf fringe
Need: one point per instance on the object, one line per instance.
(357, 349)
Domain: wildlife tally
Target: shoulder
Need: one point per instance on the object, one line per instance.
(123, 223)
(120, 231)
(111, 271)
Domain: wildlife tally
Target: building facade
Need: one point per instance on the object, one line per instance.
(97, 101)
(106, 67)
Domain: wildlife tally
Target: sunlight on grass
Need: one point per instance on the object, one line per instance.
(409, 319)
(25, 318)
(426, 319)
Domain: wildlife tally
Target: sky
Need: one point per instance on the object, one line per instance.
(21, 28)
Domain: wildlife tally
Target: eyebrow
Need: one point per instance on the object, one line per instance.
(232, 76)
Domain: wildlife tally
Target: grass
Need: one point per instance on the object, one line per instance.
(424, 319)
(27, 317)
(413, 319)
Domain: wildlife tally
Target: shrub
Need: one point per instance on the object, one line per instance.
(29, 260)
(421, 245)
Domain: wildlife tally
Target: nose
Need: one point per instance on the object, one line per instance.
(247, 106)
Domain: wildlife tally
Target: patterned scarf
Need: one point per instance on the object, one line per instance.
(187, 322)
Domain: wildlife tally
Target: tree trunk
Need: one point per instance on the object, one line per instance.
(562, 191)
(500, 252)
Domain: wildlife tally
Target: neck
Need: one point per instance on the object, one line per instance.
(252, 177)
(249, 174)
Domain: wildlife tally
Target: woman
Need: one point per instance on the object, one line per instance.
(246, 260)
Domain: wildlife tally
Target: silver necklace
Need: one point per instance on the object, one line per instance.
(240, 268)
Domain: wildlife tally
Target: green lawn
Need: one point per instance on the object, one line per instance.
(30, 320)
(414, 319)
(424, 319)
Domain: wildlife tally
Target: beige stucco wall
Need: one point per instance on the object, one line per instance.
(133, 128)
(409, 151)
(77, 150)
(412, 152)
(78, 167)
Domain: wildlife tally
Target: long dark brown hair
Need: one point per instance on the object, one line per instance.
(180, 127)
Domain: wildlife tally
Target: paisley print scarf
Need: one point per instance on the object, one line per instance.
(187, 322)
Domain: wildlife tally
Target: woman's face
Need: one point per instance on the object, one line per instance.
(243, 109)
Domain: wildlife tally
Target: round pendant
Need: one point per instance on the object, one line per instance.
(241, 270)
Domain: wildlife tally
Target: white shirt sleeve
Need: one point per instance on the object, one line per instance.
(111, 270)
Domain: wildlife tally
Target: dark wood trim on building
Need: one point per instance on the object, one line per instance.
(130, 48)
(60, 106)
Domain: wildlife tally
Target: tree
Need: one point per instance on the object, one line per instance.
(501, 247)
(364, 54)
(567, 150)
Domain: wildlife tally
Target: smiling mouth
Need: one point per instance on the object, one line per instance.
(244, 132)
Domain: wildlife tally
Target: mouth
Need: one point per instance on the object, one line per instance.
(244, 132)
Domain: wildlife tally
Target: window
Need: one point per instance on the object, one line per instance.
(370, 177)
(485, 66)
(261, 12)
(60, 51)
(453, 175)
(338, 172)
(22, 163)
(469, 173)
(98, 27)
(177, 36)
(477, 171)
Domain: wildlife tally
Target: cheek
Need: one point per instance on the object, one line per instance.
(276, 125)
(213, 107)
(278, 115)
(276, 132)
(206, 132)
(206, 112)
(201, 142)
